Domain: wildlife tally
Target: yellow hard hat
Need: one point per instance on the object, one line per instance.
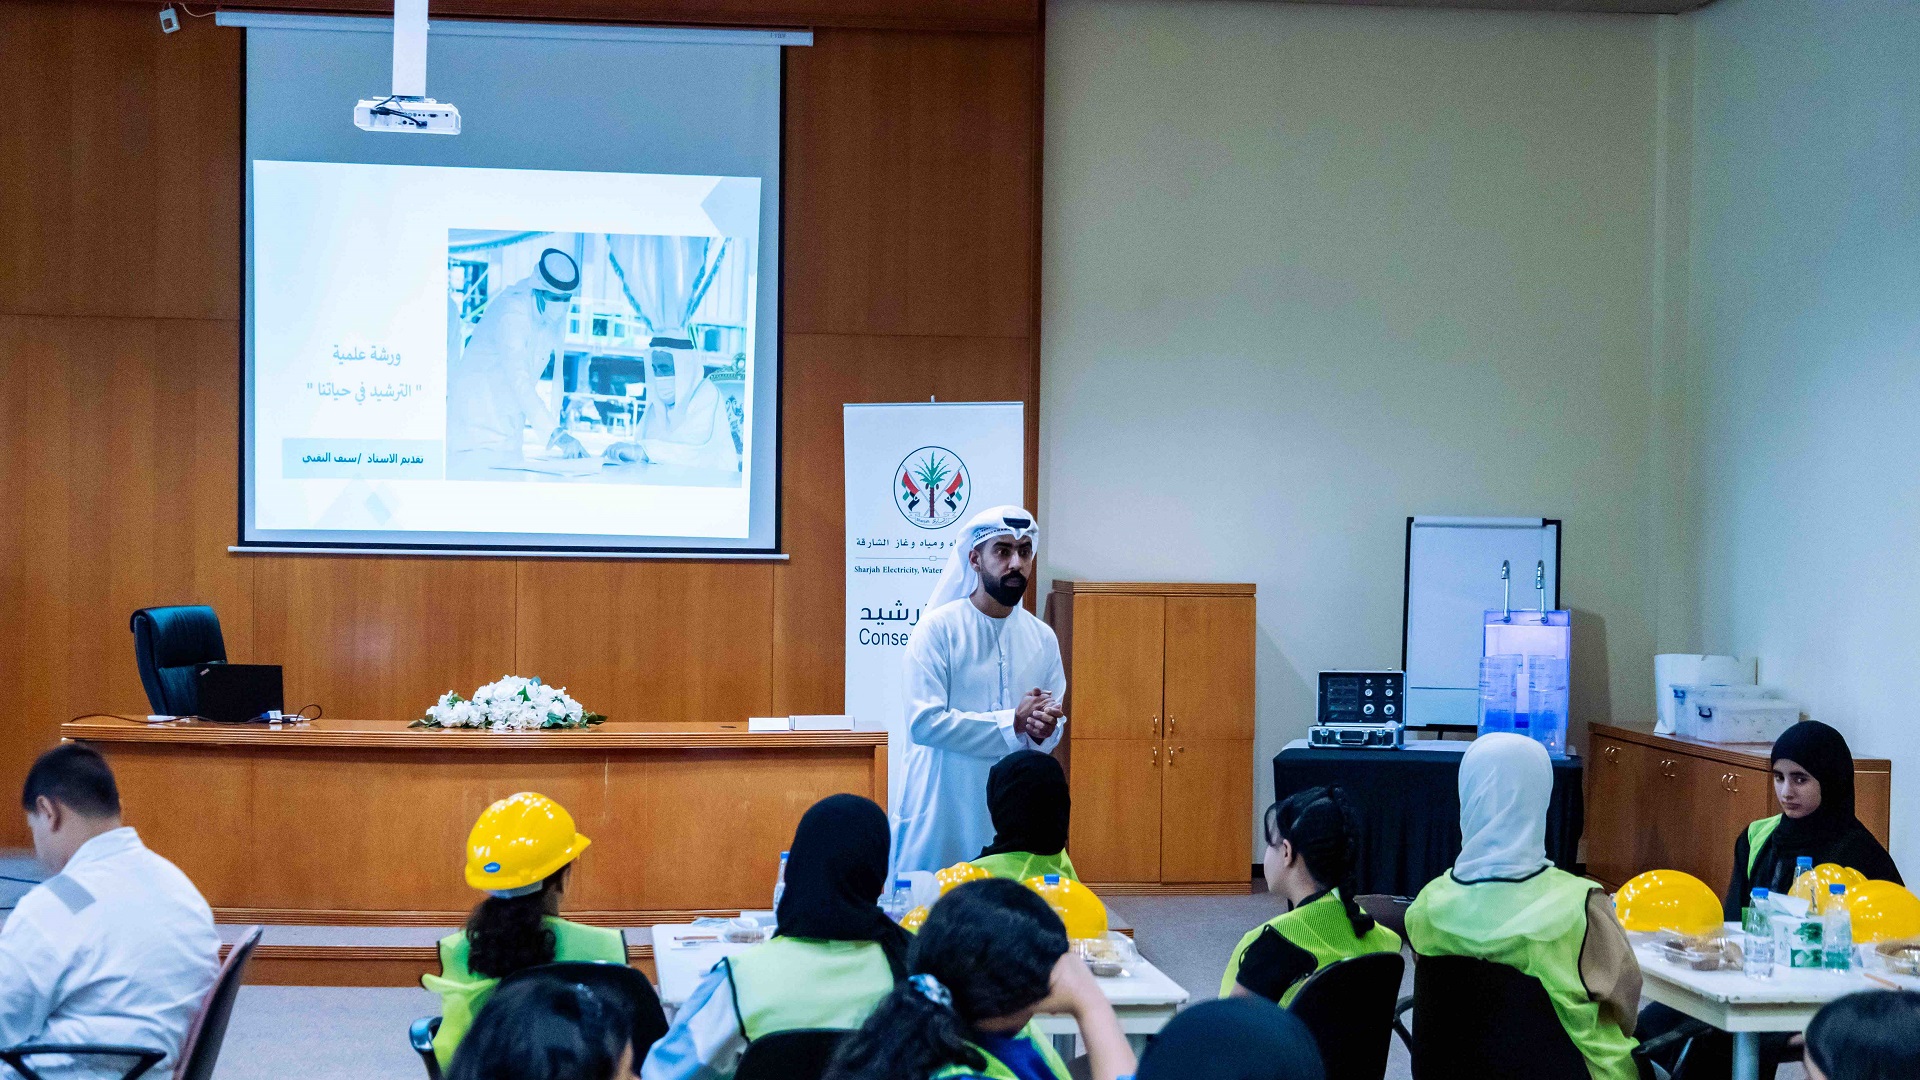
(1082, 912)
(1667, 900)
(1812, 886)
(1883, 911)
(913, 920)
(957, 875)
(519, 842)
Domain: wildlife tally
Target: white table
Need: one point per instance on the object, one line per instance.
(1745, 1007)
(1143, 997)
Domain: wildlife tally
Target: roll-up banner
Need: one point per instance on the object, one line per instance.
(915, 474)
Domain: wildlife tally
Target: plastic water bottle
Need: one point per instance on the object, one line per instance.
(900, 900)
(780, 883)
(1757, 934)
(1836, 930)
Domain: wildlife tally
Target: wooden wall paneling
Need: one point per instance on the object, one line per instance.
(821, 372)
(909, 199)
(129, 176)
(151, 452)
(34, 557)
(36, 159)
(380, 637)
(194, 188)
(665, 641)
(999, 16)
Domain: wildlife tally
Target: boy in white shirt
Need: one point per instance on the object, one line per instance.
(116, 947)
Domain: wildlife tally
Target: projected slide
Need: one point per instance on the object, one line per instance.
(497, 351)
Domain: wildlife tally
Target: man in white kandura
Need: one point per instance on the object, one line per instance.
(983, 679)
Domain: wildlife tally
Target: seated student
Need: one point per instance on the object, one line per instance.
(1504, 901)
(116, 947)
(1312, 845)
(833, 956)
(1027, 798)
(1873, 1035)
(1813, 780)
(991, 956)
(1232, 1040)
(546, 1028)
(521, 854)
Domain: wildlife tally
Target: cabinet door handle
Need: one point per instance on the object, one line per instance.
(1171, 751)
(1155, 725)
(1666, 768)
(1612, 754)
(1169, 725)
(1731, 782)
(1156, 757)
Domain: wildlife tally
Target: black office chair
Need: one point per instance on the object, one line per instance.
(1478, 1019)
(623, 986)
(789, 1055)
(1349, 1007)
(199, 1051)
(170, 644)
(618, 983)
(420, 1035)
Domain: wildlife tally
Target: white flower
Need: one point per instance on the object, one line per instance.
(509, 703)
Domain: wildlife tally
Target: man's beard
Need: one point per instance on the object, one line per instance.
(1007, 589)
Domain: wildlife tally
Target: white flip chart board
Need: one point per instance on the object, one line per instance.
(1452, 581)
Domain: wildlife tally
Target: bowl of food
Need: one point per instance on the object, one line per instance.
(1900, 957)
(1709, 952)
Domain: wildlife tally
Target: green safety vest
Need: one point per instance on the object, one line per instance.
(462, 993)
(1538, 926)
(1757, 834)
(1021, 865)
(788, 984)
(997, 1069)
(1321, 927)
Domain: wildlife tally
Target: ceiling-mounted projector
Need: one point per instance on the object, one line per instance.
(408, 109)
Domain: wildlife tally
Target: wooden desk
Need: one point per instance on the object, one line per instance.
(358, 822)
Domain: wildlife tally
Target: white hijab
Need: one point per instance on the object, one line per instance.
(1506, 782)
(959, 577)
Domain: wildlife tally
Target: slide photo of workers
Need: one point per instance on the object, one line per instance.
(596, 357)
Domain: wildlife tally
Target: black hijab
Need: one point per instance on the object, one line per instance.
(1027, 796)
(836, 871)
(1831, 833)
(1233, 1039)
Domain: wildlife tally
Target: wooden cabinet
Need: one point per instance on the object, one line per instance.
(1662, 802)
(1159, 743)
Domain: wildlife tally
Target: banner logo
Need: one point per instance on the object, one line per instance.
(932, 487)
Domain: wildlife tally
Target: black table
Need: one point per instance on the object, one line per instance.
(1408, 806)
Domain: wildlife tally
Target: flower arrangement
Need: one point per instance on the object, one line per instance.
(509, 704)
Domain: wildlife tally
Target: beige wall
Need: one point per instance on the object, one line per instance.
(1805, 341)
(1309, 270)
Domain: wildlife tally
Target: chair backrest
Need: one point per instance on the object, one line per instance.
(201, 1049)
(789, 1055)
(1476, 1018)
(170, 643)
(616, 983)
(1348, 1006)
(420, 1036)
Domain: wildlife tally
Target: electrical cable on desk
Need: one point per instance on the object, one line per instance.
(318, 712)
